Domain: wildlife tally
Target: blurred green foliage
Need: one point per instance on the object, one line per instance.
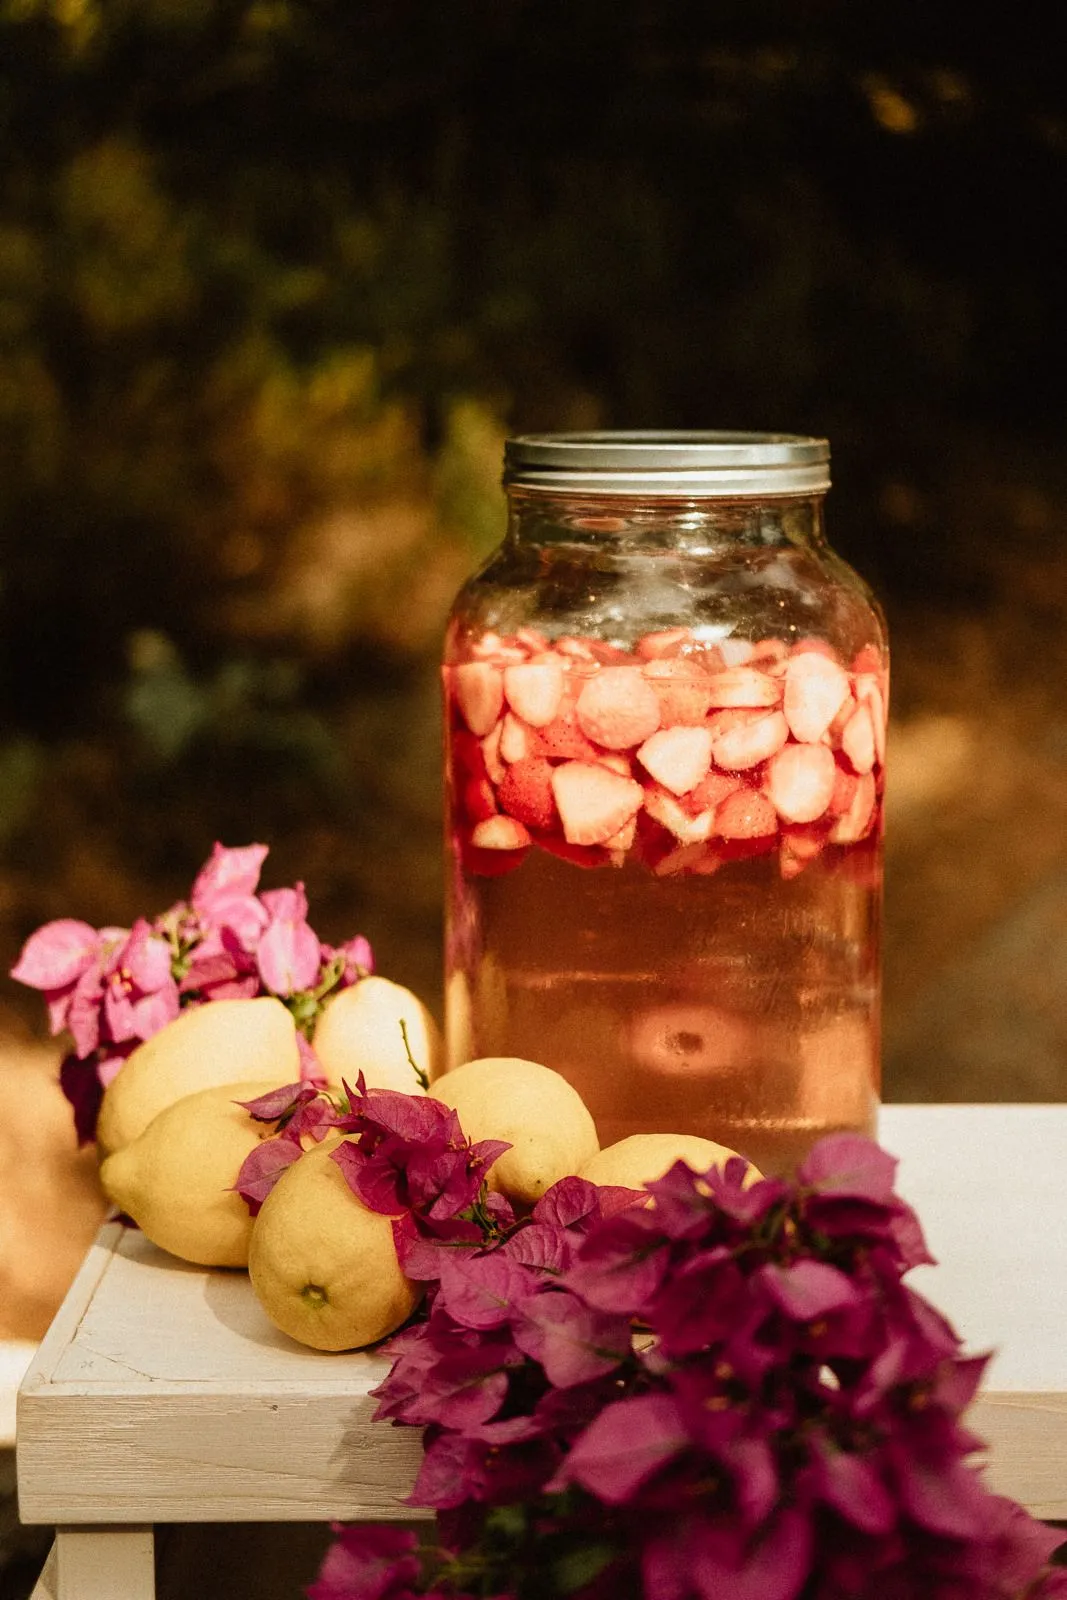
(276, 276)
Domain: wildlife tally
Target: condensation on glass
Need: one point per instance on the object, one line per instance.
(665, 739)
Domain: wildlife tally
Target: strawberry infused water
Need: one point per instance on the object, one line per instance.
(665, 751)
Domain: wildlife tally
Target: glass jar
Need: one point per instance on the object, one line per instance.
(665, 714)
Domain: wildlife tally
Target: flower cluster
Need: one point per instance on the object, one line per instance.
(111, 988)
(728, 1393)
(403, 1155)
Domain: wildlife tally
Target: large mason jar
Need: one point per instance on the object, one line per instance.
(665, 714)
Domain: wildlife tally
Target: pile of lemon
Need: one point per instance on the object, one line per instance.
(173, 1136)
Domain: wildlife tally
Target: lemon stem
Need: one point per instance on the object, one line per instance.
(421, 1076)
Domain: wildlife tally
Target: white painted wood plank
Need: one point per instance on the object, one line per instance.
(989, 1184)
(64, 1328)
(1027, 1439)
(105, 1564)
(212, 1457)
(155, 1319)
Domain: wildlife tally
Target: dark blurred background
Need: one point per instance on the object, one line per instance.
(276, 279)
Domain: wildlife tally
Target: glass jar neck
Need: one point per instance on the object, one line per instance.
(631, 524)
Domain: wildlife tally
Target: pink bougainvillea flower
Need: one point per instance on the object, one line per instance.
(368, 1563)
(263, 1166)
(221, 968)
(288, 953)
(55, 957)
(624, 1446)
(224, 892)
(569, 1339)
(82, 1087)
(139, 994)
(356, 956)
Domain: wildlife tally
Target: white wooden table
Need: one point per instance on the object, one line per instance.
(162, 1394)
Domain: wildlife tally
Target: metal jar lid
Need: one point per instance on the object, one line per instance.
(660, 463)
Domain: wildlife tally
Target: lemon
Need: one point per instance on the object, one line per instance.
(176, 1178)
(323, 1266)
(643, 1157)
(220, 1042)
(543, 1118)
(359, 1031)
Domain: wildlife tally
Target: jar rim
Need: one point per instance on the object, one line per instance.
(662, 462)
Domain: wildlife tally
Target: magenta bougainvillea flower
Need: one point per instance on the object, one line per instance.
(727, 1394)
(111, 988)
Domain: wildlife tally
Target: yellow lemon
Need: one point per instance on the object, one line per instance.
(176, 1178)
(545, 1120)
(323, 1266)
(643, 1157)
(359, 1031)
(220, 1042)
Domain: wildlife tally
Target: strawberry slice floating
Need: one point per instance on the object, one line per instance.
(618, 708)
(534, 690)
(800, 781)
(815, 687)
(479, 691)
(678, 758)
(593, 803)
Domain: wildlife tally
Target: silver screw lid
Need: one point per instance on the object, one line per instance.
(662, 463)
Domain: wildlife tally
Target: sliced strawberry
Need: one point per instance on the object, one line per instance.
(816, 647)
(683, 859)
(576, 649)
(593, 803)
(618, 708)
(678, 758)
(800, 781)
(616, 761)
(845, 783)
(840, 722)
(526, 793)
(744, 686)
(609, 655)
(815, 688)
(857, 738)
(487, 646)
(499, 833)
(799, 845)
(767, 652)
(479, 799)
(868, 688)
(745, 739)
(713, 858)
(623, 840)
(710, 792)
(479, 691)
(534, 690)
(855, 822)
(708, 656)
(746, 814)
(532, 639)
(563, 739)
(735, 652)
(578, 855)
(517, 740)
(494, 765)
(667, 642)
(489, 863)
(683, 688)
(669, 812)
(869, 659)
